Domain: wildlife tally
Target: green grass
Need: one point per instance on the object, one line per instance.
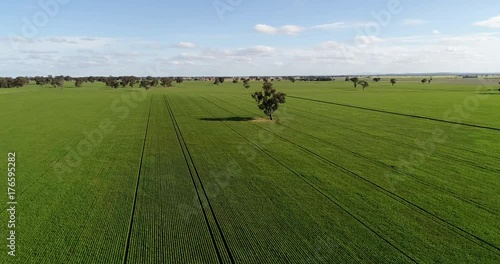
(392, 174)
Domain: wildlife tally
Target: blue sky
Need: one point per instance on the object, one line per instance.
(247, 37)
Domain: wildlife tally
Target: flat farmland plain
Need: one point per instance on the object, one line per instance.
(195, 174)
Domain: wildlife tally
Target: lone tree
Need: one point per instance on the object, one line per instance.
(364, 84)
(393, 81)
(377, 80)
(269, 99)
(424, 81)
(355, 81)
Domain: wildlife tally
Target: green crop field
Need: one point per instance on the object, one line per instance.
(196, 173)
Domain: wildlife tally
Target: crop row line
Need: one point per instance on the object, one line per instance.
(411, 175)
(412, 137)
(189, 161)
(205, 110)
(458, 230)
(330, 117)
(302, 177)
(127, 247)
(399, 114)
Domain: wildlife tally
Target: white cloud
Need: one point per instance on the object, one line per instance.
(436, 32)
(493, 22)
(185, 45)
(367, 40)
(332, 26)
(296, 30)
(412, 22)
(255, 51)
(364, 55)
(287, 29)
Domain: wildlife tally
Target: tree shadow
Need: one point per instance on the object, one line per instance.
(231, 119)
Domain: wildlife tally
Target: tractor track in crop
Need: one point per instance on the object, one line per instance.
(302, 177)
(352, 257)
(194, 173)
(496, 170)
(331, 117)
(383, 164)
(417, 208)
(398, 114)
(127, 246)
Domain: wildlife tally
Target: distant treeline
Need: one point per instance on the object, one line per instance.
(114, 82)
(143, 82)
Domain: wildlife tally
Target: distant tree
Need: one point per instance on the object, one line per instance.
(355, 81)
(57, 81)
(364, 84)
(393, 81)
(124, 82)
(333, 80)
(145, 83)
(269, 99)
(4, 83)
(424, 81)
(20, 82)
(292, 79)
(42, 81)
(347, 78)
(217, 81)
(166, 82)
(112, 82)
(376, 79)
(78, 82)
(179, 80)
(154, 82)
(246, 83)
(235, 80)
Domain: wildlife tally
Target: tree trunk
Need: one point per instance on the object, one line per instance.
(271, 116)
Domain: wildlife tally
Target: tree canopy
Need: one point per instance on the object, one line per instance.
(269, 99)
